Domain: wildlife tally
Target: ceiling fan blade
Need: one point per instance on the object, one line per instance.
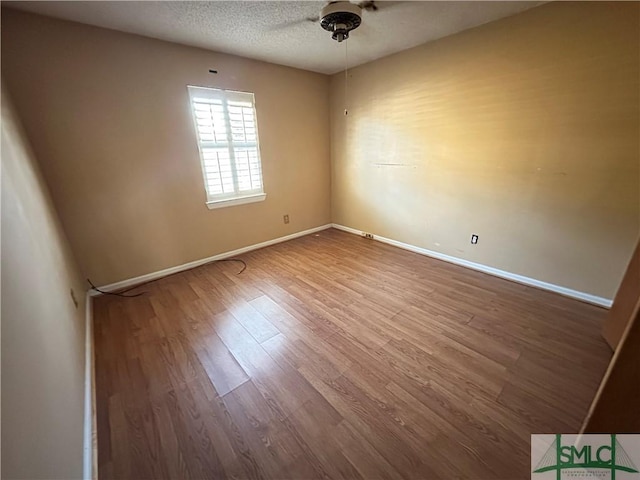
(282, 26)
(369, 5)
(373, 6)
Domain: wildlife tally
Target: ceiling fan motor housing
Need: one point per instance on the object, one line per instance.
(340, 18)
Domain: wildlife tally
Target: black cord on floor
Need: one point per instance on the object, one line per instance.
(93, 287)
(244, 264)
(122, 293)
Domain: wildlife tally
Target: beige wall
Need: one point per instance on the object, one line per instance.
(524, 131)
(108, 114)
(42, 331)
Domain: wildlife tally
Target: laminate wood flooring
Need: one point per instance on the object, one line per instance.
(334, 356)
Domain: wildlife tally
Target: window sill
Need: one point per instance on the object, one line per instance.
(230, 202)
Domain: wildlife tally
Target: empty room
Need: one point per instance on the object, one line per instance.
(320, 240)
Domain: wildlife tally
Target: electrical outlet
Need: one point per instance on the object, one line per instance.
(474, 239)
(367, 235)
(286, 218)
(73, 297)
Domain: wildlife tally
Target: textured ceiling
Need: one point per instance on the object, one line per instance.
(276, 31)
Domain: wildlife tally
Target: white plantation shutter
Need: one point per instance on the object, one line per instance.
(227, 133)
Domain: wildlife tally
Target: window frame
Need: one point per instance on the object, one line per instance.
(225, 96)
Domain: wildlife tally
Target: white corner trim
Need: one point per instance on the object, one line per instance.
(568, 292)
(230, 202)
(89, 427)
(196, 263)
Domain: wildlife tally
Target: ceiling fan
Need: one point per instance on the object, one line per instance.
(341, 17)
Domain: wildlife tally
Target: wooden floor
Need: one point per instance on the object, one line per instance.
(333, 356)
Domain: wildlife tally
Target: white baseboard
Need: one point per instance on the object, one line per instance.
(89, 426)
(196, 263)
(568, 292)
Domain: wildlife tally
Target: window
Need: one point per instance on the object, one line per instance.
(227, 133)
